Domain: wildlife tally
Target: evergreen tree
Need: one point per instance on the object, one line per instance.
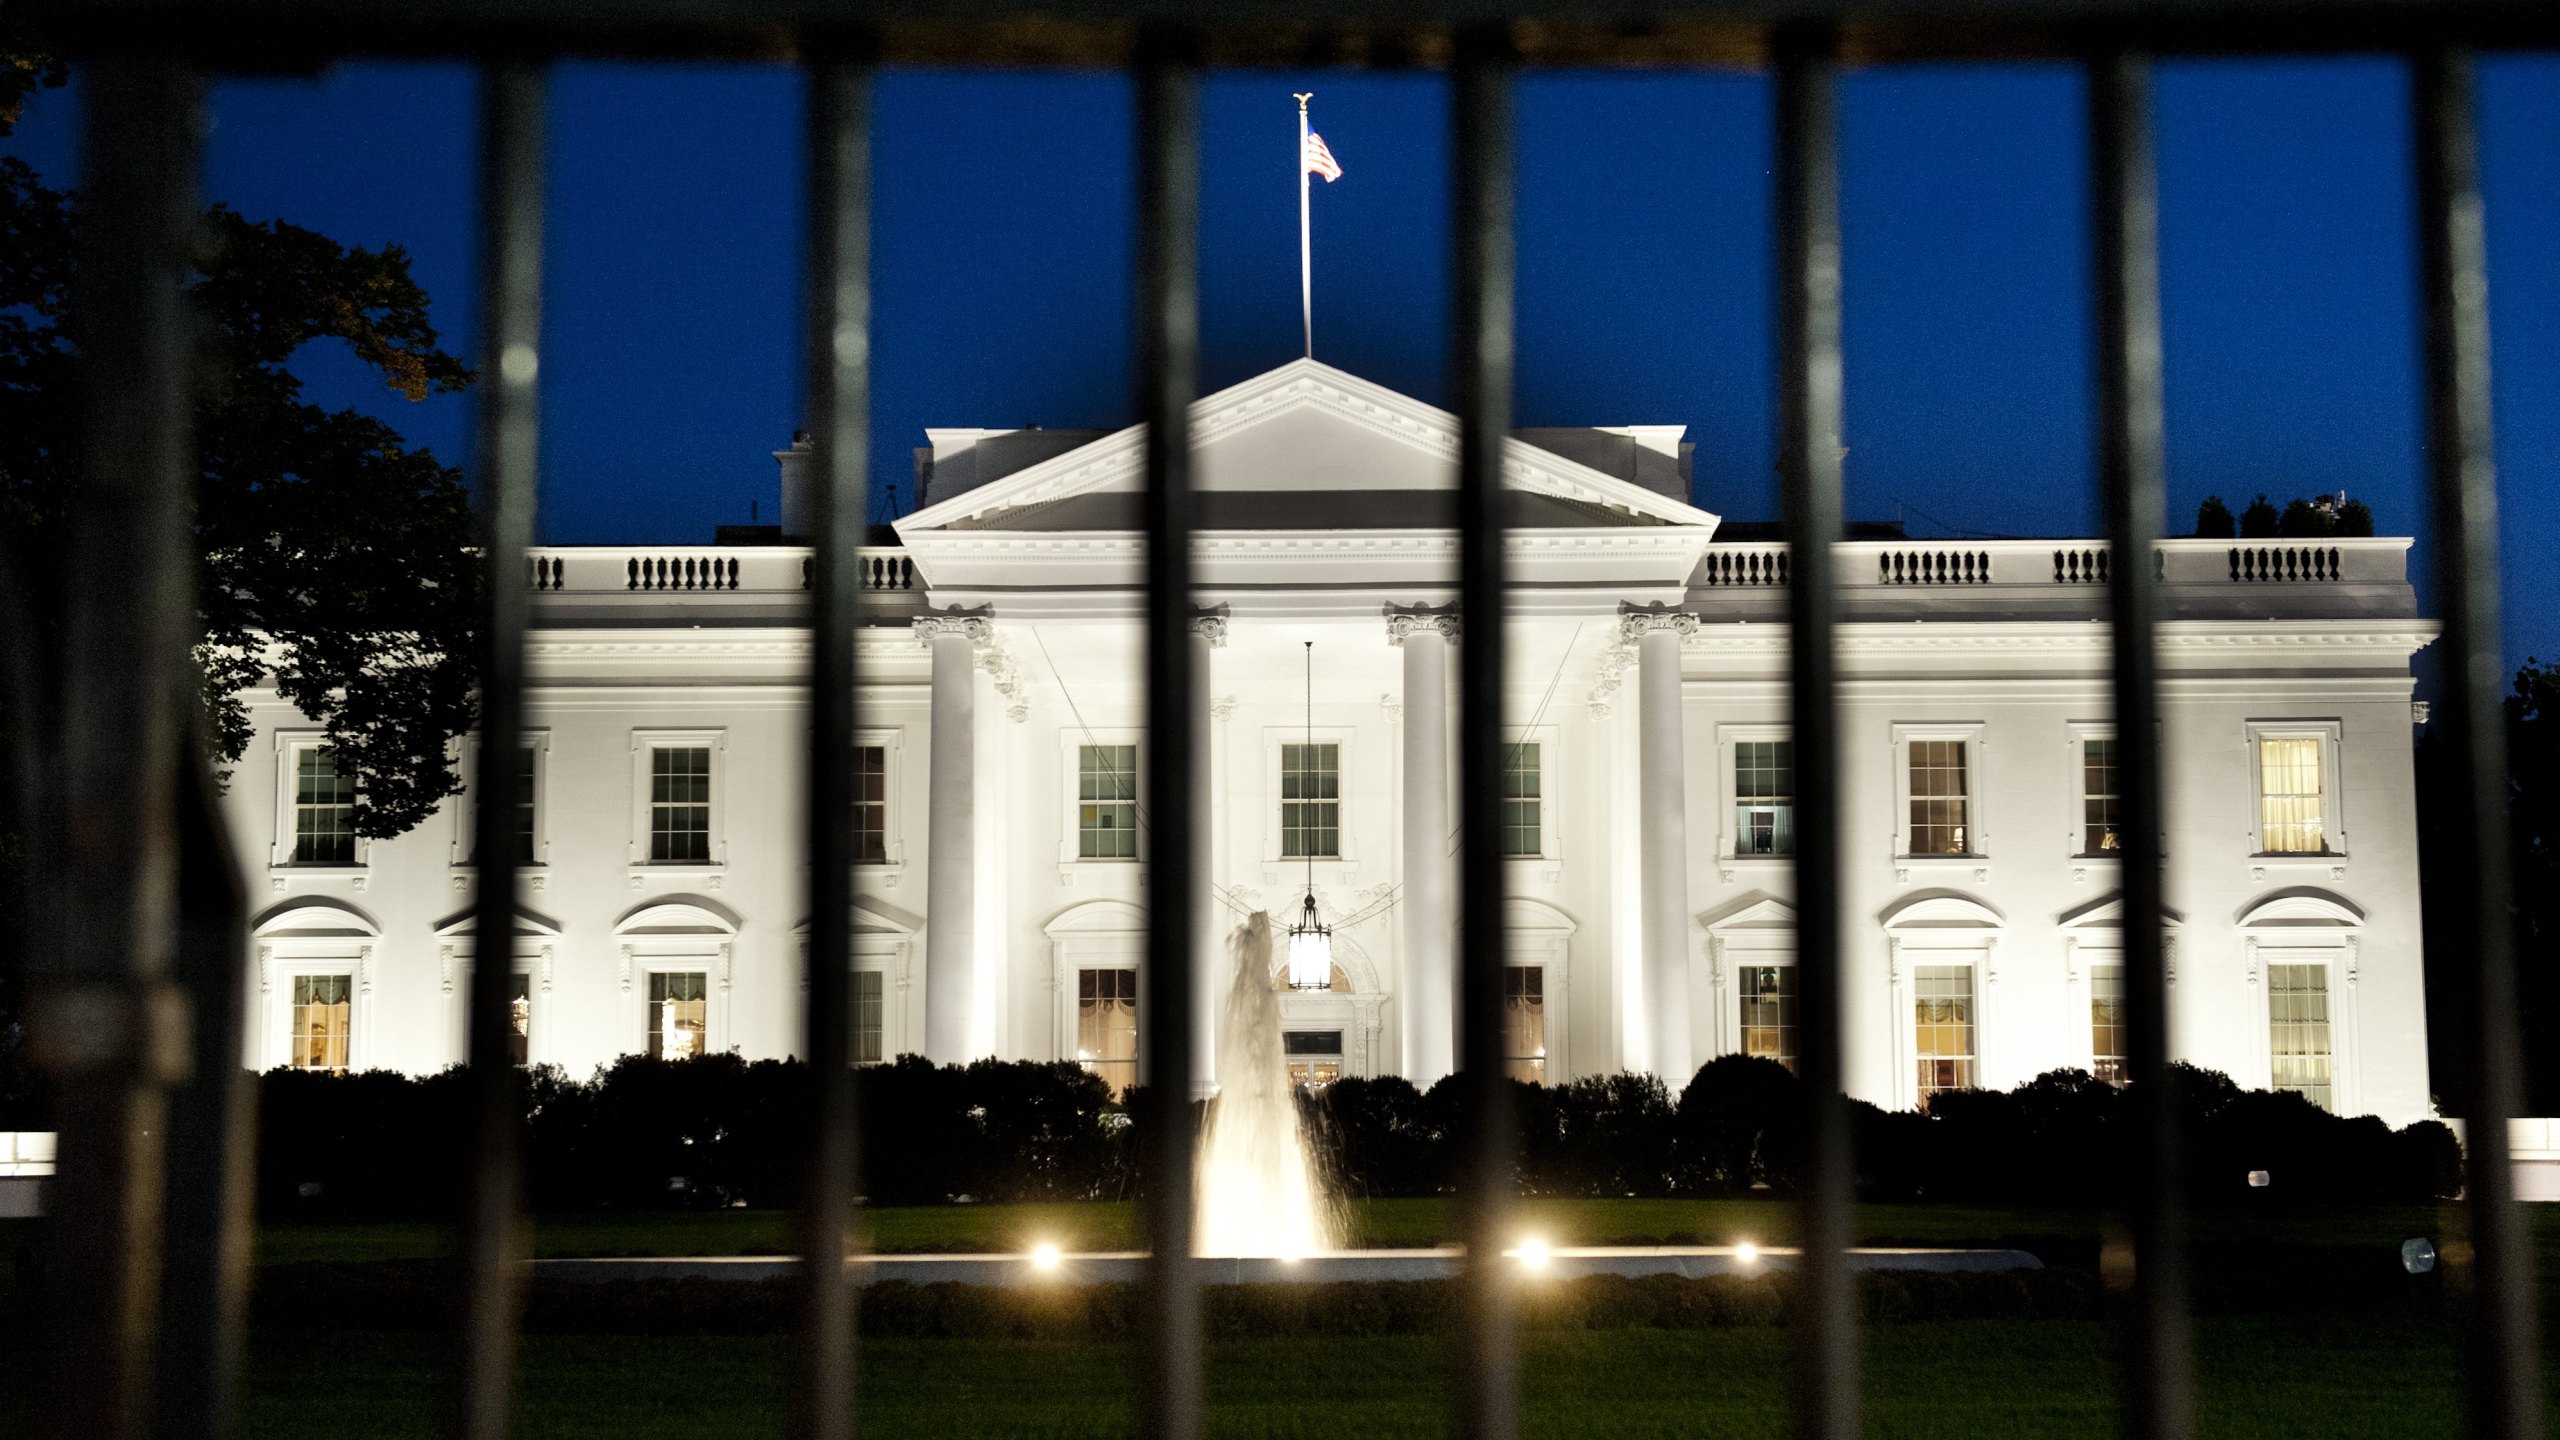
(2213, 519)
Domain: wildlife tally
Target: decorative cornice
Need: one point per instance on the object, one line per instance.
(1404, 620)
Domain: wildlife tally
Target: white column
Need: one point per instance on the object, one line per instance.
(1664, 828)
(951, 836)
(1208, 917)
(1429, 999)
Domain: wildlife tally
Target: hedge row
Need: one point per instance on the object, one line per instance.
(720, 1131)
(413, 1295)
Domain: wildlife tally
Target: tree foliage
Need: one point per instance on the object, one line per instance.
(336, 561)
(2213, 520)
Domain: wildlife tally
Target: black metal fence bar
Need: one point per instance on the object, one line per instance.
(105, 1022)
(1486, 1365)
(1168, 323)
(838, 377)
(2505, 1390)
(509, 418)
(1809, 465)
(2158, 1384)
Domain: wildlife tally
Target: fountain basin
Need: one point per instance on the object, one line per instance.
(1564, 1262)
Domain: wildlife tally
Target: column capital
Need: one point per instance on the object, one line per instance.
(978, 624)
(1637, 621)
(1210, 624)
(1404, 620)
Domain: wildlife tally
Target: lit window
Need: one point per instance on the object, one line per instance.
(321, 1015)
(324, 809)
(2107, 1023)
(2298, 1030)
(679, 1014)
(1942, 1013)
(1764, 797)
(1769, 1013)
(1107, 802)
(1107, 1026)
(680, 804)
(1314, 1057)
(871, 805)
(1311, 801)
(520, 1019)
(2289, 797)
(1941, 799)
(867, 1017)
(1524, 1023)
(1523, 814)
(2098, 797)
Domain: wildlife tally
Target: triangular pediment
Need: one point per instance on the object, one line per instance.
(1305, 447)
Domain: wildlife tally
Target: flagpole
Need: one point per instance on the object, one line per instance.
(1306, 264)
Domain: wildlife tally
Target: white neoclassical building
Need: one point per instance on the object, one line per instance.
(1649, 810)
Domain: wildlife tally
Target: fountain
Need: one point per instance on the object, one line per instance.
(1259, 1190)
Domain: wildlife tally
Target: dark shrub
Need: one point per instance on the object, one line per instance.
(1615, 1135)
(1376, 1137)
(1740, 1124)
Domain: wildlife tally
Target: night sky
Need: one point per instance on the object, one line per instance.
(1003, 207)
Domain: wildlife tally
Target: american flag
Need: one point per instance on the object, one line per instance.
(1320, 161)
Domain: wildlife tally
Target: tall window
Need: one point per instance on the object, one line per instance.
(2298, 1030)
(1764, 797)
(680, 804)
(1314, 1057)
(2107, 1023)
(525, 761)
(867, 1017)
(2289, 797)
(871, 805)
(1769, 1013)
(1941, 799)
(520, 1018)
(1107, 802)
(324, 809)
(321, 1022)
(1524, 1023)
(679, 1014)
(1943, 1021)
(1107, 1026)
(2098, 797)
(1523, 804)
(1311, 800)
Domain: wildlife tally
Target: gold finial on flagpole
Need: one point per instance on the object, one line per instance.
(1303, 99)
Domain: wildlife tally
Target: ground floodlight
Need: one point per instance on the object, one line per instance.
(1534, 1253)
(1746, 1253)
(1045, 1256)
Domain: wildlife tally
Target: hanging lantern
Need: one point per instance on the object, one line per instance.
(1310, 950)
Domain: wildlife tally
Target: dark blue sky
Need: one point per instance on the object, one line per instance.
(1002, 267)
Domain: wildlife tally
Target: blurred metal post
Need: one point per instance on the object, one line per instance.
(2505, 1392)
(212, 1128)
(1809, 455)
(1482, 350)
(1168, 377)
(2159, 1399)
(839, 410)
(103, 1020)
(492, 1241)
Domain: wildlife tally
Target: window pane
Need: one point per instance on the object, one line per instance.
(324, 809)
(1523, 803)
(679, 1014)
(2098, 797)
(2107, 1023)
(1769, 1013)
(1524, 1022)
(2289, 797)
(1764, 797)
(1310, 801)
(1942, 1017)
(321, 1022)
(1107, 1026)
(680, 804)
(867, 1017)
(1939, 798)
(2298, 1030)
(1107, 802)
(871, 805)
(520, 1019)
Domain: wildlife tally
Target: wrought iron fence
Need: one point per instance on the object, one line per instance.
(139, 956)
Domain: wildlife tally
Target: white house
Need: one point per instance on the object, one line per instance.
(1002, 902)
